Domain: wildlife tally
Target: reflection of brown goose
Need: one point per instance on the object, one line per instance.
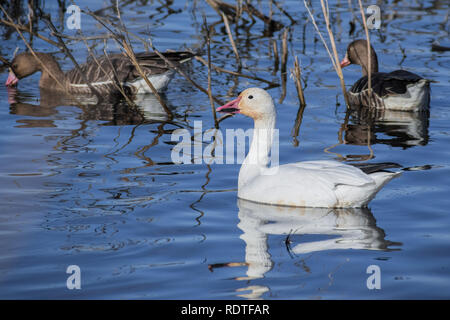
(103, 73)
(390, 127)
(147, 110)
(398, 90)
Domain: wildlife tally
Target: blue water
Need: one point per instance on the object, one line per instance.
(96, 187)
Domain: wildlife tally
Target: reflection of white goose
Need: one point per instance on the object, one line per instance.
(328, 184)
(353, 229)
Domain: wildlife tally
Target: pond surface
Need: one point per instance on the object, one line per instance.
(96, 186)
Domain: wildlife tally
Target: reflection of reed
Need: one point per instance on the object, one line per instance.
(297, 124)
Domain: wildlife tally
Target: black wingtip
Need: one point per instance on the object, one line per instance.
(369, 168)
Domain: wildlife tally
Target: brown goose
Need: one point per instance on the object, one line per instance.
(397, 90)
(103, 73)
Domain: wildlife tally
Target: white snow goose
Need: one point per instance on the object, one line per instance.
(398, 90)
(103, 73)
(326, 183)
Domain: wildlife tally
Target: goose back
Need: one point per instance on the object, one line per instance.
(106, 72)
(408, 88)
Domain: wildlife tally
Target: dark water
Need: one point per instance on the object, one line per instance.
(96, 187)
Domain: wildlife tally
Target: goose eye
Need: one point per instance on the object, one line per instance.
(250, 97)
(14, 66)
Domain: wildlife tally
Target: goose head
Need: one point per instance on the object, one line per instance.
(255, 103)
(23, 65)
(357, 54)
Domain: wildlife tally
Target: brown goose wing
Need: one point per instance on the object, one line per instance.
(119, 67)
(383, 84)
(153, 64)
(102, 69)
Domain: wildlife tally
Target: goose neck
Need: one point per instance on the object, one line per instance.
(257, 159)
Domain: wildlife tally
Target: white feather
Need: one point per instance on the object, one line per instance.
(416, 98)
(159, 81)
(326, 184)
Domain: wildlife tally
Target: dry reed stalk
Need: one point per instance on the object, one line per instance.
(369, 70)
(235, 73)
(284, 47)
(270, 9)
(326, 16)
(333, 57)
(30, 16)
(252, 11)
(5, 61)
(239, 10)
(280, 8)
(230, 37)
(210, 95)
(26, 29)
(298, 84)
(223, 7)
(284, 56)
(313, 20)
(276, 57)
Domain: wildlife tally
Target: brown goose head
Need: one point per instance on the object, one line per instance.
(25, 64)
(357, 54)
